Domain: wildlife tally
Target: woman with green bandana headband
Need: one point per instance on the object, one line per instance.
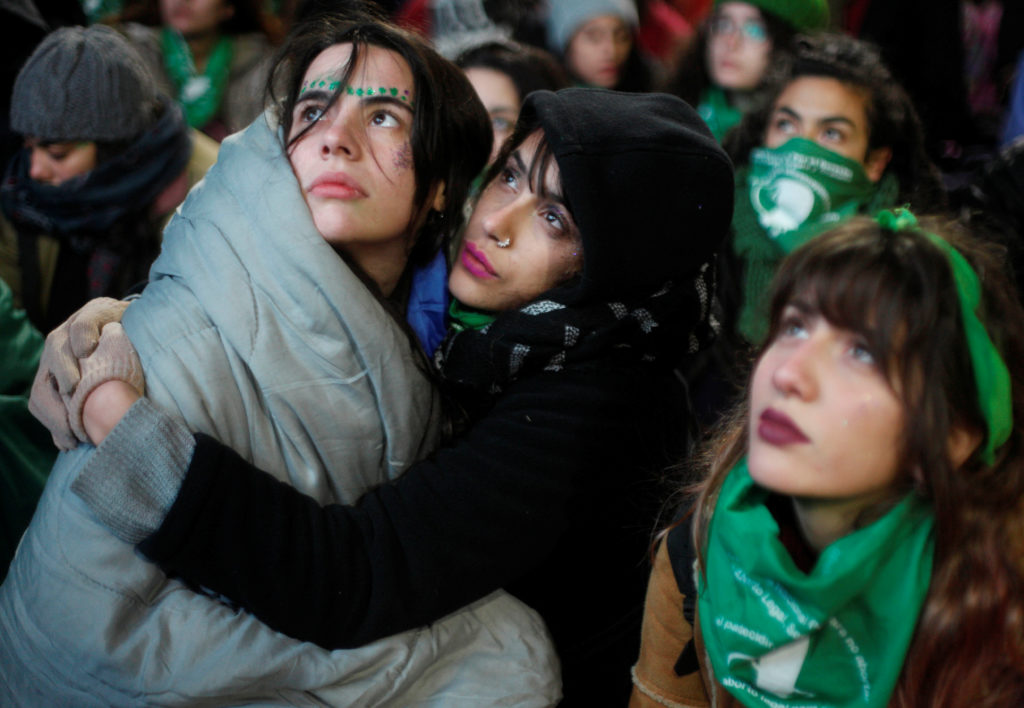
(857, 540)
(212, 55)
(837, 137)
(722, 71)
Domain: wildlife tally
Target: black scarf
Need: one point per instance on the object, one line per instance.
(84, 208)
(101, 217)
(548, 334)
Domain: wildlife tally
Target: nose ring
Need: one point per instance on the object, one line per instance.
(504, 244)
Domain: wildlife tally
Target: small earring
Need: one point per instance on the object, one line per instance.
(504, 244)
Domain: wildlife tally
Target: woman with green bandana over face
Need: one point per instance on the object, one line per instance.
(723, 71)
(858, 537)
(838, 137)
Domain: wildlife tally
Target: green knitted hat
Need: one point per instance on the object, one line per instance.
(802, 15)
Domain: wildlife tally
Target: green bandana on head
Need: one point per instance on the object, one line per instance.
(199, 94)
(714, 109)
(991, 377)
(800, 188)
(836, 636)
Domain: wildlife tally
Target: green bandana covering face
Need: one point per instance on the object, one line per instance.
(199, 94)
(837, 636)
(784, 198)
(714, 109)
(802, 187)
(461, 317)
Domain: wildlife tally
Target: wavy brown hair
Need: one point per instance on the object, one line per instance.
(896, 289)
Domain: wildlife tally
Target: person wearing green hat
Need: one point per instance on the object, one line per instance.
(721, 71)
(857, 533)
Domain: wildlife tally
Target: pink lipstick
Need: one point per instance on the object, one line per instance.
(777, 428)
(476, 262)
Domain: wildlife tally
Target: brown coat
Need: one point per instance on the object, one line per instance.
(664, 637)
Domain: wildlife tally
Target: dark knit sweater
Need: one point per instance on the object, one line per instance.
(552, 496)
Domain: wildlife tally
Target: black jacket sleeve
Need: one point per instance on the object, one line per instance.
(453, 528)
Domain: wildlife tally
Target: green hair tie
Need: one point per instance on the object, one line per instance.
(990, 373)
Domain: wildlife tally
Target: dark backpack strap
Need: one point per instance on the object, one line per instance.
(682, 557)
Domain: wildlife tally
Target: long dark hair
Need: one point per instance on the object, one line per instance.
(893, 121)
(451, 133)
(529, 68)
(896, 289)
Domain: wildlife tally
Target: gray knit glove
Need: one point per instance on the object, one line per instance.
(62, 384)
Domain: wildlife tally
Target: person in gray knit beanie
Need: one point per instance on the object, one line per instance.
(106, 159)
(566, 17)
(596, 40)
(84, 84)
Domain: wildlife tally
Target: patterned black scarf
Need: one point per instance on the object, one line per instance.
(548, 334)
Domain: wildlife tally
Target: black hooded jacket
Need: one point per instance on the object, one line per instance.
(553, 490)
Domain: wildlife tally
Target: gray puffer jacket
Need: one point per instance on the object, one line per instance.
(253, 331)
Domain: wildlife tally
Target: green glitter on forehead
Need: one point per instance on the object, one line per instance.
(332, 85)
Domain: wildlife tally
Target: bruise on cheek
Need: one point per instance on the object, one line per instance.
(402, 159)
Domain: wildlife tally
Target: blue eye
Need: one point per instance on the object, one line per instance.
(554, 219)
(510, 177)
(793, 325)
(311, 113)
(860, 352)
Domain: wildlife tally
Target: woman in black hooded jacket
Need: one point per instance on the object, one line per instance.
(572, 410)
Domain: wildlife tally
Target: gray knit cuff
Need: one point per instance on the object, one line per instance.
(133, 477)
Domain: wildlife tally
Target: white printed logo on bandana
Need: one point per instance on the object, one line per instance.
(778, 670)
(785, 203)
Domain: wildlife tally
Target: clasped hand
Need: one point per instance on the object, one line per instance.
(87, 352)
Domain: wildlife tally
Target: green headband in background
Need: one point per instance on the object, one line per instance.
(990, 373)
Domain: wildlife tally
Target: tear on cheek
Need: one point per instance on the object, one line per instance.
(402, 159)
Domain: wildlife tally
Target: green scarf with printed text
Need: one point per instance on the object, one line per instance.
(836, 636)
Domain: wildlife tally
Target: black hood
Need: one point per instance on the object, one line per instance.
(649, 187)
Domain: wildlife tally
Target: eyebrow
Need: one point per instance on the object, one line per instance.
(801, 305)
(519, 160)
(325, 96)
(827, 119)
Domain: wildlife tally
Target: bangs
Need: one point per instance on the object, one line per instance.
(881, 287)
(538, 169)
